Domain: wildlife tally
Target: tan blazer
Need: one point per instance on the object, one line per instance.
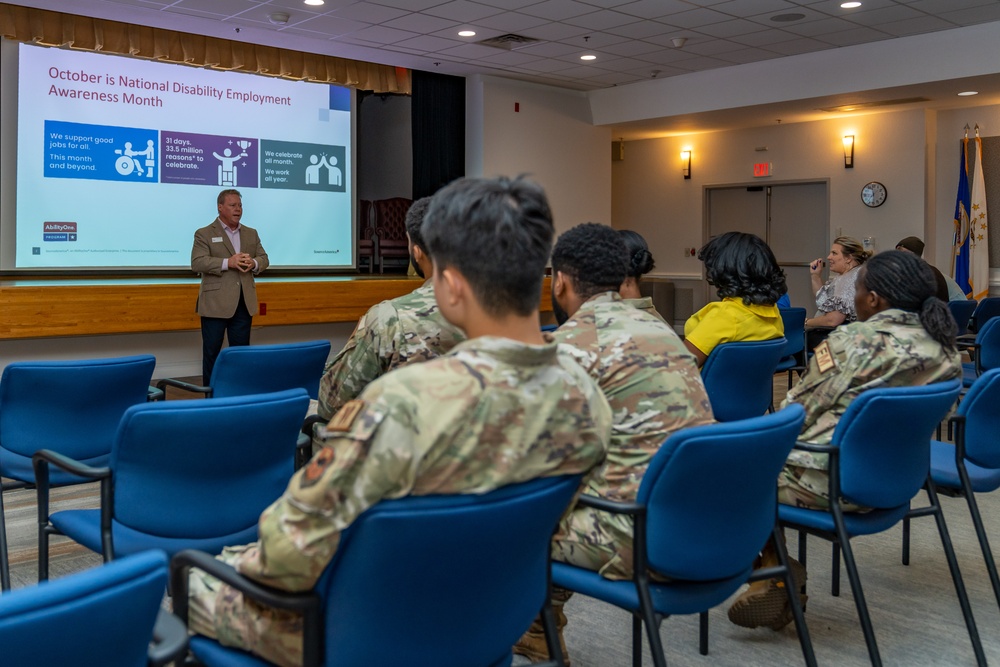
(220, 290)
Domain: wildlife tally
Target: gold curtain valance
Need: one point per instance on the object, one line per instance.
(48, 28)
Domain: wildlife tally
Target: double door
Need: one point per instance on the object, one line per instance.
(793, 218)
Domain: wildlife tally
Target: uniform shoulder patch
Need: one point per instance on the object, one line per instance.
(824, 357)
(342, 421)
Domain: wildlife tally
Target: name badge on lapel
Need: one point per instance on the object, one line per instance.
(216, 239)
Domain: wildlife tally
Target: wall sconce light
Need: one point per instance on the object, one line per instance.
(849, 151)
(686, 164)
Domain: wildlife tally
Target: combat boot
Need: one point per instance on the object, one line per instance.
(532, 644)
(765, 603)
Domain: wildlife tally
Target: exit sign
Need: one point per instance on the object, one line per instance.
(761, 169)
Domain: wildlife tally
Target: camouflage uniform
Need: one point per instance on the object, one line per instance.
(393, 333)
(492, 412)
(654, 387)
(645, 304)
(890, 349)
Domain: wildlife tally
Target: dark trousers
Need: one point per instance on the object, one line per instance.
(213, 329)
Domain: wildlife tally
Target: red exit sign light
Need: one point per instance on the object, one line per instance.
(761, 169)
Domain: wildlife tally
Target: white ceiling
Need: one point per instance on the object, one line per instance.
(632, 39)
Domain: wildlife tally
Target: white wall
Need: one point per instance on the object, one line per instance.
(650, 196)
(551, 138)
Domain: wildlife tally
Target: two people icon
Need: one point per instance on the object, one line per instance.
(334, 176)
(129, 160)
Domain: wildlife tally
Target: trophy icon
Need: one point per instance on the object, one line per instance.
(244, 145)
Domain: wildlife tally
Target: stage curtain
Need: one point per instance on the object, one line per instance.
(48, 28)
(437, 116)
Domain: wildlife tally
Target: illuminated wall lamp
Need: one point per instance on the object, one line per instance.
(849, 151)
(686, 164)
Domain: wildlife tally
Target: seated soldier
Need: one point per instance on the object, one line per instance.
(651, 381)
(392, 333)
(904, 337)
(505, 406)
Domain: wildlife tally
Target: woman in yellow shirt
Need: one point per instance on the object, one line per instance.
(749, 281)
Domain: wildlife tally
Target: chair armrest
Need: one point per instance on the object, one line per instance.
(310, 422)
(47, 456)
(154, 394)
(613, 506)
(186, 386)
(813, 447)
(170, 640)
(307, 603)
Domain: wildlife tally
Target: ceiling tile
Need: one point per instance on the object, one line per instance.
(941, 6)
(511, 58)
(730, 28)
(421, 23)
(796, 46)
(754, 7)
(558, 10)
(511, 22)
(218, 7)
(298, 7)
(411, 5)
(462, 11)
(601, 20)
(379, 34)
(546, 65)
(696, 17)
(700, 63)
(855, 36)
(428, 43)
(549, 49)
(654, 9)
(713, 47)
(765, 38)
(666, 56)
(974, 15)
(331, 25)
(470, 51)
(807, 15)
(606, 4)
(875, 18)
(642, 29)
(508, 5)
(819, 27)
(916, 26)
(369, 13)
(632, 48)
(594, 40)
(554, 31)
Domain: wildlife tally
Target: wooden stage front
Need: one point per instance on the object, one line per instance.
(42, 308)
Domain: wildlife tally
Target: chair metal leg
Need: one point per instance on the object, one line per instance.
(552, 634)
(652, 625)
(4, 562)
(956, 575)
(793, 600)
(636, 639)
(906, 540)
(703, 633)
(803, 553)
(859, 595)
(984, 542)
(835, 572)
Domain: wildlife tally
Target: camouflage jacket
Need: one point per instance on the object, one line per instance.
(392, 333)
(654, 388)
(645, 304)
(889, 349)
(492, 412)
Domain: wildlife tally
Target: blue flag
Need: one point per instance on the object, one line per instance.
(961, 239)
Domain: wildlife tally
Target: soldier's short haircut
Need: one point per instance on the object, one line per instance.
(906, 282)
(497, 233)
(230, 191)
(741, 265)
(414, 220)
(593, 257)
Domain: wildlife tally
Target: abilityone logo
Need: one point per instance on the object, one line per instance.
(60, 227)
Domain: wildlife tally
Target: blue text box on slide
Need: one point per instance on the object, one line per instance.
(100, 152)
(292, 165)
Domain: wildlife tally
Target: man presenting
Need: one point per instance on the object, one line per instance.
(227, 255)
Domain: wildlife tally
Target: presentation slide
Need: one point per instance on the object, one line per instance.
(120, 160)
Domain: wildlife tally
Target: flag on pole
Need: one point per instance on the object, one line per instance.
(979, 242)
(960, 242)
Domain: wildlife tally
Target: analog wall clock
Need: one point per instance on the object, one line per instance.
(873, 194)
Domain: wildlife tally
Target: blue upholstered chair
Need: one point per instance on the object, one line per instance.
(793, 357)
(182, 475)
(972, 464)
(739, 378)
(72, 407)
(103, 617)
(448, 581)
(260, 369)
(880, 458)
(962, 312)
(702, 540)
(985, 352)
(985, 311)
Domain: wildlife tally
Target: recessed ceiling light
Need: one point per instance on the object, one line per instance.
(315, 2)
(588, 57)
(968, 93)
(466, 33)
(849, 5)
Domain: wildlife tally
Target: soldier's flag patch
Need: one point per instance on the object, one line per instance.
(342, 421)
(824, 358)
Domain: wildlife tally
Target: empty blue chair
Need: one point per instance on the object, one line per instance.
(880, 459)
(182, 475)
(962, 312)
(448, 581)
(972, 464)
(985, 311)
(985, 352)
(103, 617)
(793, 357)
(72, 407)
(702, 540)
(261, 369)
(739, 378)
